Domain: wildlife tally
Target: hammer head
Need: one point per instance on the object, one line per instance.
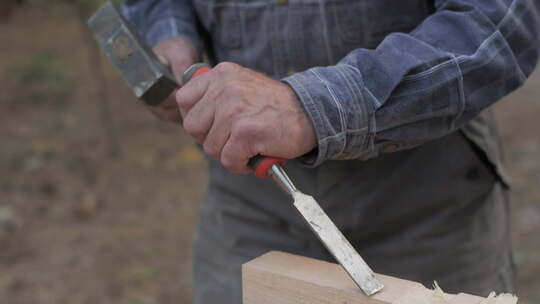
(150, 80)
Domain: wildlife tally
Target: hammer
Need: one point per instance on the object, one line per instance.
(149, 79)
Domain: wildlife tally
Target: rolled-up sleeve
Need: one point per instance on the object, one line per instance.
(158, 20)
(419, 86)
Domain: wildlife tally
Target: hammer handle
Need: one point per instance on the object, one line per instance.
(262, 165)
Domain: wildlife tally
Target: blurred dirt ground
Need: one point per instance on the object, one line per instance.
(79, 226)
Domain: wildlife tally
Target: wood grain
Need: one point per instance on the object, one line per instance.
(282, 278)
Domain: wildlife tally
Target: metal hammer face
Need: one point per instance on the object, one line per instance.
(150, 80)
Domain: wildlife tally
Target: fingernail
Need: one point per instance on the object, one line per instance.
(163, 60)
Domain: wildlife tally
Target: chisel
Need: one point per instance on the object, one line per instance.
(318, 220)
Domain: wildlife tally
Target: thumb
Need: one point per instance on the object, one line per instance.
(178, 54)
(178, 69)
(162, 58)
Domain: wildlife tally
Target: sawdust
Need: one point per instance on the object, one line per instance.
(423, 295)
(503, 298)
(436, 295)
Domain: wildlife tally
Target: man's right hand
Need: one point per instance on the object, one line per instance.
(179, 54)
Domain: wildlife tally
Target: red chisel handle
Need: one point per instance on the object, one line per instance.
(195, 70)
(263, 164)
(260, 164)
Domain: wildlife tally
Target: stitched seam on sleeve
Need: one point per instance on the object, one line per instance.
(461, 89)
(459, 60)
(174, 27)
(335, 100)
(463, 58)
(375, 99)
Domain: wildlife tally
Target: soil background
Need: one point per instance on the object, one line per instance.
(84, 222)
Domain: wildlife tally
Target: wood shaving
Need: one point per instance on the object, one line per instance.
(503, 298)
(436, 295)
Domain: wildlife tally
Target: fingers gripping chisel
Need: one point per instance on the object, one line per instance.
(318, 221)
(152, 82)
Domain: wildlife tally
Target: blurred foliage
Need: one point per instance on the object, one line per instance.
(42, 80)
(89, 6)
(142, 274)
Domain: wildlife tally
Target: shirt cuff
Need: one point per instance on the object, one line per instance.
(334, 98)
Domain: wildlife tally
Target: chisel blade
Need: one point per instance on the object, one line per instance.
(336, 243)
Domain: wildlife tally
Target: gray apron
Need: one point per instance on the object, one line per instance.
(438, 212)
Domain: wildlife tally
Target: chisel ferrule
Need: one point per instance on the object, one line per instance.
(282, 179)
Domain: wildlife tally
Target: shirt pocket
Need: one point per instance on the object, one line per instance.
(226, 31)
(221, 20)
(241, 31)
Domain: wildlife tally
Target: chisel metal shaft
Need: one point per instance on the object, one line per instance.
(327, 232)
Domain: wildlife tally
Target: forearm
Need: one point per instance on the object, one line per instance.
(423, 85)
(159, 20)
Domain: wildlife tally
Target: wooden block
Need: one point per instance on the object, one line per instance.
(282, 278)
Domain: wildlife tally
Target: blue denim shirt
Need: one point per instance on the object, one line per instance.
(374, 76)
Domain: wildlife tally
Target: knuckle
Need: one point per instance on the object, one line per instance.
(211, 149)
(193, 128)
(231, 165)
(235, 89)
(189, 124)
(226, 67)
(245, 129)
(234, 109)
(182, 102)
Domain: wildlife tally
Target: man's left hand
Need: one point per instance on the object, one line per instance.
(236, 113)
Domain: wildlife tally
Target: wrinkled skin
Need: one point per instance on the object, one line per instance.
(235, 113)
